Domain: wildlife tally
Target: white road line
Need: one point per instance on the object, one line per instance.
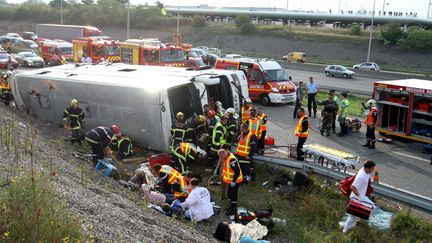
(411, 156)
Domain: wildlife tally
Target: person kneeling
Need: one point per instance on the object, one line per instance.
(198, 203)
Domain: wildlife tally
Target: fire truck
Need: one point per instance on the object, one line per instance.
(96, 48)
(267, 81)
(56, 52)
(151, 52)
(405, 108)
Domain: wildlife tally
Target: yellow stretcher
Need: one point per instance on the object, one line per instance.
(337, 159)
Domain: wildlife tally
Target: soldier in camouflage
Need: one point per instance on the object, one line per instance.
(330, 106)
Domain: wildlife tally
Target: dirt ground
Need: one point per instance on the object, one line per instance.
(275, 47)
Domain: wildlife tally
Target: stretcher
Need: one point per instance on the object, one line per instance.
(334, 158)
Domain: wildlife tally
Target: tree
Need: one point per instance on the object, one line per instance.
(355, 29)
(3, 3)
(198, 21)
(391, 33)
(419, 39)
(244, 23)
(57, 3)
(87, 2)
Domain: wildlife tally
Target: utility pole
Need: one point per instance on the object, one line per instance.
(384, 3)
(61, 11)
(429, 7)
(339, 7)
(287, 4)
(128, 21)
(178, 18)
(370, 32)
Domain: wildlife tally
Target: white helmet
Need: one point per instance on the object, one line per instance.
(371, 103)
(218, 103)
(231, 111)
(248, 100)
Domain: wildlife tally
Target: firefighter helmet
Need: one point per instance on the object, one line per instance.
(253, 112)
(371, 103)
(180, 115)
(74, 102)
(201, 119)
(211, 114)
(115, 129)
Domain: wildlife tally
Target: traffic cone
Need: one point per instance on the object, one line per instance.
(376, 178)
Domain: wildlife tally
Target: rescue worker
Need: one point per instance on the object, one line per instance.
(194, 127)
(343, 111)
(173, 184)
(184, 154)
(262, 117)
(245, 150)
(245, 116)
(178, 130)
(220, 111)
(211, 123)
(219, 136)
(336, 99)
(330, 107)
(99, 138)
(302, 132)
(370, 122)
(231, 175)
(255, 125)
(299, 98)
(5, 89)
(198, 205)
(124, 147)
(73, 118)
(231, 125)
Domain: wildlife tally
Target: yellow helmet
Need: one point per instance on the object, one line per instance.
(201, 119)
(74, 102)
(180, 115)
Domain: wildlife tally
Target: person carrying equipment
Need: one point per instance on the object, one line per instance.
(178, 131)
(184, 154)
(73, 118)
(99, 138)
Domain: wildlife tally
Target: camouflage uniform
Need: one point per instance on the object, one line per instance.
(330, 107)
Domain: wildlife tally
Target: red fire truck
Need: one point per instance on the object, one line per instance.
(96, 48)
(56, 52)
(267, 80)
(151, 52)
(405, 108)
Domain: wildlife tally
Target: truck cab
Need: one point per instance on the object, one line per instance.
(267, 81)
(56, 52)
(97, 49)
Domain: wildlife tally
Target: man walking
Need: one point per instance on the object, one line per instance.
(330, 107)
(358, 191)
(73, 118)
(299, 98)
(302, 132)
(343, 111)
(312, 89)
(370, 122)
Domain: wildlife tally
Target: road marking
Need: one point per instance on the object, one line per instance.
(280, 150)
(411, 156)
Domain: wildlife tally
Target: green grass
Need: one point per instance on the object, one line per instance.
(313, 214)
(355, 108)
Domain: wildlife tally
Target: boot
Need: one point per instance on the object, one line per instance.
(232, 209)
(372, 146)
(367, 144)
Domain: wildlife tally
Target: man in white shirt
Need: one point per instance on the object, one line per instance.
(86, 59)
(198, 203)
(359, 189)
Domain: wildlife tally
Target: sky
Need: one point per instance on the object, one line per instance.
(418, 6)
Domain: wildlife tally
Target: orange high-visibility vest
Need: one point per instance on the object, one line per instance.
(254, 127)
(175, 177)
(228, 173)
(243, 147)
(263, 125)
(299, 128)
(245, 114)
(369, 119)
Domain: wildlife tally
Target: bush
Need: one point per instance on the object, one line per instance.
(407, 226)
(418, 39)
(32, 213)
(198, 21)
(355, 29)
(244, 23)
(391, 33)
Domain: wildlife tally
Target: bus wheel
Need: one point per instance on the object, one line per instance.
(265, 100)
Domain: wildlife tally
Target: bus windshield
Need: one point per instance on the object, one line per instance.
(276, 75)
(172, 56)
(65, 50)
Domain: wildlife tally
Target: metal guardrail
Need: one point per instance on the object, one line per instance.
(409, 198)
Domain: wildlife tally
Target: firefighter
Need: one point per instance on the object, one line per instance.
(173, 184)
(254, 125)
(330, 107)
(99, 138)
(231, 175)
(124, 147)
(246, 110)
(302, 132)
(184, 154)
(262, 117)
(178, 130)
(211, 122)
(245, 150)
(220, 111)
(231, 125)
(193, 127)
(370, 122)
(73, 118)
(219, 136)
(5, 88)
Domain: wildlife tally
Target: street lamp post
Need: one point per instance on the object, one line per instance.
(384, 3)
(339, 7)
(128, 21)
(370, 32)
(429, 7)
(61, 11)
(178, 17)
(287, 4)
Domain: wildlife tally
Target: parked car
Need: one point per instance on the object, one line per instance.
(338, 71)
(13, 35)
(25, 45)
(29, 59)
(4, 58)
(295, 57)
(369, 66)
(29, 36)
(214, 51)
(205, 48)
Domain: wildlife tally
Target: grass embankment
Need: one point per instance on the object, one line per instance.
(313, 214)
(355, 108)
